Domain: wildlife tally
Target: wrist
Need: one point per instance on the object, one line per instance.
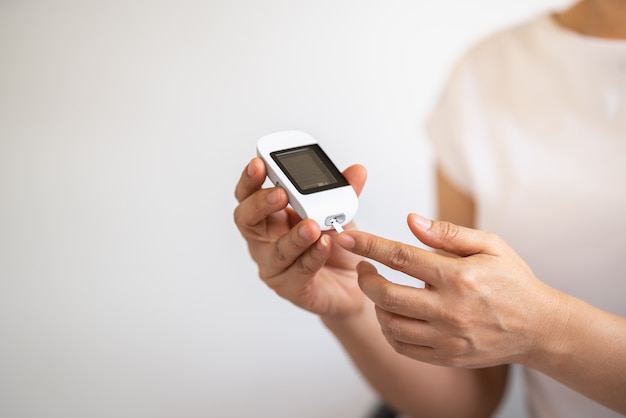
(353, 323)
(552, 340)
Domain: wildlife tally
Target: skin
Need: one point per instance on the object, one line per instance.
(308, 268)
(443, 350)
(485, 307)
(471, 320)
(596, 18)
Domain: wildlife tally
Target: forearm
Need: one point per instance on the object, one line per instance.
(415, 388)
(585, 349)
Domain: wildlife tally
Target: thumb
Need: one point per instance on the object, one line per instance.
(356, 176)
(452, 238)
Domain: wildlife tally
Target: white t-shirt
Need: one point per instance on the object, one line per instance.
(533, 125)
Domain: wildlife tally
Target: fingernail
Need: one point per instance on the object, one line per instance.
(421, 222)
(346, 241)
(322, 242)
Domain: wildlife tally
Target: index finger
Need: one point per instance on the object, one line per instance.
(251, 180)
(416, 262)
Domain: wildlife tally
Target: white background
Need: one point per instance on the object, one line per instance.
(125, 289)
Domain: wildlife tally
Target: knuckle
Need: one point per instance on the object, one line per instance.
(452, 361)
(469, 280)
(304, 267)
(278, 253)
(448, 231)
(466, 278)
(389, 298)
(401, 257)
(237, 216)
(457, 321)
(398, 347)
(455, 353)
(368, 247)
(238, 193)
(263, 273)
(393, 341)
(390, 326)
(459, 352)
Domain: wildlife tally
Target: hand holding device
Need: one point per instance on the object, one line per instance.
(316, 188)
(294, 258)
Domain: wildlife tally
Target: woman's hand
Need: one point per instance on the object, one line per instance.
(482, 308)
(294, 257)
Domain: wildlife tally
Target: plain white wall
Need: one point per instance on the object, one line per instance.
(125, 289)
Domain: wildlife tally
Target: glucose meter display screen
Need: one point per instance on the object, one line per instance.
(309, 168)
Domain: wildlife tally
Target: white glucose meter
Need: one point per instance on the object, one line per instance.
(316, 188)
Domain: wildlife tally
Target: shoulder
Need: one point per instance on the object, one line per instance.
(499, 55)
(486, 81)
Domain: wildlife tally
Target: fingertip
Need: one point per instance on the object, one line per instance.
(275, 196)
(364, 270)
(254, 167)
(346, 240)
(420, 222)
(356, 175)
(359, 169)
(251, 179)
(365, 266)
(309, 229)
